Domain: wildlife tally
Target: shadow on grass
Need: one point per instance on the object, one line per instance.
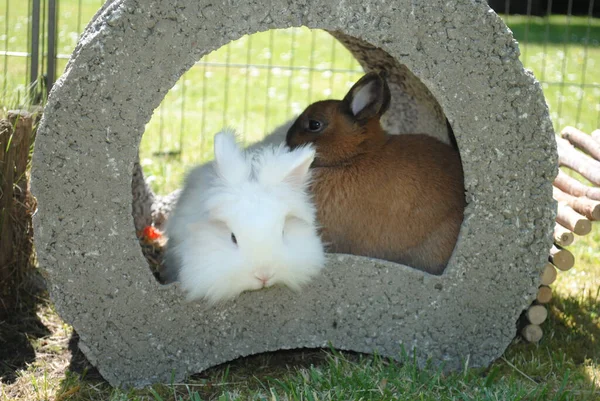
(576, 323)
(79, 363)
(569, 352)
(17, 329)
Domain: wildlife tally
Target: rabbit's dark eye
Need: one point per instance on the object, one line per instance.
(233, 239)
(314, 125)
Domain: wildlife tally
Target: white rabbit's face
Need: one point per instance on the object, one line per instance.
(252, 227)
(258, 241)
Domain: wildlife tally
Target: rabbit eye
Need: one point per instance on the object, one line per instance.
(314, 125)
(233, 238)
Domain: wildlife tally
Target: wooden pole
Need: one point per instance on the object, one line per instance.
(578, 205)
(569, 218)
(532, 333)
(587, 207)
(582, 140)
(536, 314)
(569, 157)
(561, 258)
(562, 236)
(573, 187)
(548, 275)
(16, 208)
(544, 294)
(8, 148)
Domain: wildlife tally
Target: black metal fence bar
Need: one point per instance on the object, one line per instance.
(584, 65)
(566, 52)
(546, 40)
(7, 16)
(51, 60)
(34, 47)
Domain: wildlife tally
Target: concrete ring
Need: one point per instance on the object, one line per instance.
(137, 332)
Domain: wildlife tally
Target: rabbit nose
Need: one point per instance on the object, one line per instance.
(264, 277)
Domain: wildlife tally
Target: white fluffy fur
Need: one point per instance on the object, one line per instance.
(230, 160)
(261, 197)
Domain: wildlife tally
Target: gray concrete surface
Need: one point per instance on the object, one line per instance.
(137, 332)
(413, 108)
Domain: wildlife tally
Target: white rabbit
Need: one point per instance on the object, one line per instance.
(245, 222)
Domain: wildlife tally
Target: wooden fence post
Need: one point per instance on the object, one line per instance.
(16, 207)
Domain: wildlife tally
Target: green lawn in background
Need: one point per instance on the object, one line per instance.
(556, 53)
(564, 366)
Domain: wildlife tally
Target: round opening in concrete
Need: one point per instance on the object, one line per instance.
(258, 85)
(136, 331)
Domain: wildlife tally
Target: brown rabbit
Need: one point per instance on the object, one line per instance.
(394, 197)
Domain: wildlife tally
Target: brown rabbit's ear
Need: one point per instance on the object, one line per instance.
(369, 97)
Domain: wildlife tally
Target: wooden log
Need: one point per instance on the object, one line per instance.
(548, 275)
(532, 333)
(569, 218)
(8, 147)
(536, 314)
(569, 157)
(573, 187)
(596, 135)
(562, 236)
(561, 258)
(16, 207)
(587, 207)
(582, 141)
(544, 294)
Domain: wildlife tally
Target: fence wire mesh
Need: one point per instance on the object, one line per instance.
(260, 81)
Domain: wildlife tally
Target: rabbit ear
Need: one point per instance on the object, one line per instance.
(230, 160)
(297, 172)
(369, 97)
(283, 165)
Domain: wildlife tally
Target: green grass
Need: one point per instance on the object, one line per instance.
(565, 365)
(561, 66)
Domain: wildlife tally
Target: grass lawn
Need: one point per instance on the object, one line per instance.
(565, 365)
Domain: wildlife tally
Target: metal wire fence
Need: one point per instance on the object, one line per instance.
(260, 81)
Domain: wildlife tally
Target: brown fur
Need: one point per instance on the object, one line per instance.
(394, 197)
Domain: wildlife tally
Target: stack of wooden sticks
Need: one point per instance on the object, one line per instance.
(578, 207)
